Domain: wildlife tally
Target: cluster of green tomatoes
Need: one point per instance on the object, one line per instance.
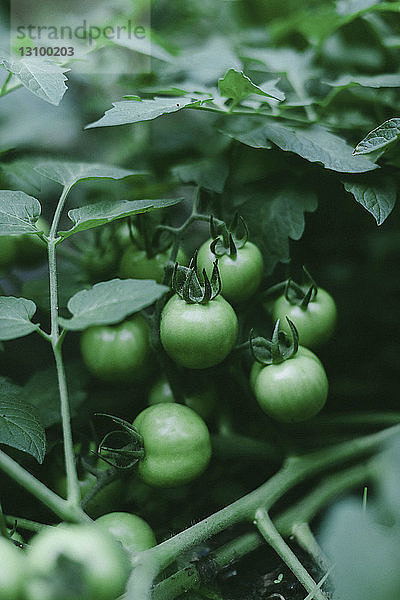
(199, 331)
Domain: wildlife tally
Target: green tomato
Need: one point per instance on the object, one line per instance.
(240, 275)
(75, 562)
(118, 352)
(292, 391)
(8, 251)
(200, 397)
(198, 336)
(136, 264)
(176, 443)
(131, 531)
(31, 249)
(12, 570)
(315, 323)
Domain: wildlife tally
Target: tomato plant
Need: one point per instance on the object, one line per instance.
(118, 352)
(131, 531)
(93, 558)
(254, 137)
(176, 443)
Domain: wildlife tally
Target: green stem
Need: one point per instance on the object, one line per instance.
(3, 90)
(306, 540)
(286, 523)
(60, 507)
(3, 525)
(273, 537)
(293, 471)
(73, 493)
(25, 524)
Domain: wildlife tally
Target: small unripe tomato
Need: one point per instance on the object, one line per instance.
(201, 397)
(176, 443)
(135, 264)
(12, 569)
(198, 336)
(315, 323)
(131, 531)
(291, 391)
(240, 275)
(8, 251)
(118, 352)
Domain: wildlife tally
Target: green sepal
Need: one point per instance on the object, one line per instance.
(186, 283)
(279, 348)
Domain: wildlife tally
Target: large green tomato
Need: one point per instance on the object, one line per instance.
(198, 336)
(131, 531)
(292, 391)
(8, 251)
(135, 263)
(240, 275)
(75, 562)
(176, 443)
(315, 323)
(12, 570)
(201, 397)
(118, 352)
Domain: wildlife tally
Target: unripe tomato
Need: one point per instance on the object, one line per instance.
(176, 443)
(198, 336)
(98, 566)
(292, 391)
(131, 531)
(12, 569)
(240, 275)
(135, 263)
(315, 323)
(201, 397)
(8, 251)
(118, 352)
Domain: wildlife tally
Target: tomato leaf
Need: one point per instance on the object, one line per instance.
(236, 85)
(379, 138)
(15, 317)
(69, 173)
(42, 77)
(209, 174)
(111, 302)
(20, 427)
(18, 213)
(41, 391)
(100, 213)
(134, 111)
(376, 194)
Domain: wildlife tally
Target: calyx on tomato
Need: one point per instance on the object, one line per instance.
(226, 239)
(186, 283)
(276, 350)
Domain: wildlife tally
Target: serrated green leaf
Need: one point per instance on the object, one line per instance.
(133, 111)
(20, 174)
(379, 138)
(69, 173)
(280, 212)
(15, 317)
(110, 302)
(209, 174)
(20, 427)
(42, 77)
(236, 85)
(18, 213)
(42, 392)
(377, 194)
(100, 213)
